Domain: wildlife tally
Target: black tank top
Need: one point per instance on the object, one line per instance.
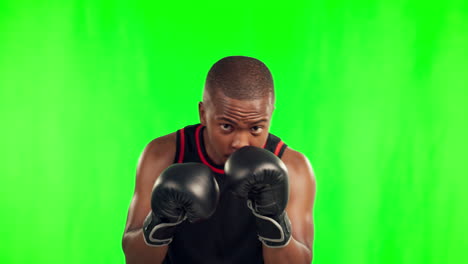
(229, 235)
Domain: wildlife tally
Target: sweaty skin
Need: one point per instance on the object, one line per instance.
(230, 124)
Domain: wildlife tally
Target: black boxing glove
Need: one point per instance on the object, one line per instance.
(261, 177)
(182, 191)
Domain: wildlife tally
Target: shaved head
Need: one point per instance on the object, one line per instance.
(239, 77)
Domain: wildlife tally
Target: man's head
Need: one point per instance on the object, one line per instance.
(238, 102)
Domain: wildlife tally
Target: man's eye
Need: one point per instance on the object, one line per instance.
(226, 127)
(256, 129)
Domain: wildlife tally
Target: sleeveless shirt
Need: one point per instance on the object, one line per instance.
(229, 236)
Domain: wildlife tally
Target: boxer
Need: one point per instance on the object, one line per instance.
(224, 190)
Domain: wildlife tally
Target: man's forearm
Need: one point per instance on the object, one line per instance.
(137, 252)
(294, 252)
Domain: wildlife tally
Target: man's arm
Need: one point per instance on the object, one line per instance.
(156, 157)
(299, 209)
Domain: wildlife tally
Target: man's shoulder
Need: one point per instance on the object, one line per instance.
(164, 140)
(162, 147)
(293, 155)
(296, 161)
(158, 154)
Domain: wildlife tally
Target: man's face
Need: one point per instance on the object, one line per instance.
(232, 124)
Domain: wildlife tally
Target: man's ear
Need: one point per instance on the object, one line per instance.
(202, 113)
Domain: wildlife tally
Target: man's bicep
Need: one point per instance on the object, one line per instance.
(156, 157)
(302, 196)
(302, 225)
(139, 208)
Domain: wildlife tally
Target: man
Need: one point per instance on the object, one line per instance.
(189, 207)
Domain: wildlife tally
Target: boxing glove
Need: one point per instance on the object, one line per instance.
(186, 191)
(261, 178)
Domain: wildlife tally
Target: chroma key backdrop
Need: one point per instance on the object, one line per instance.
(374, 92)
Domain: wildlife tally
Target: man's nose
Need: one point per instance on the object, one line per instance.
(241, 139)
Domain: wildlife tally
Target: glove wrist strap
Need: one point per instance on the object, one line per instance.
(157, 232)
(273, 231)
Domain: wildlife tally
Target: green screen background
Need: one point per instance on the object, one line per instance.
(373, 92)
